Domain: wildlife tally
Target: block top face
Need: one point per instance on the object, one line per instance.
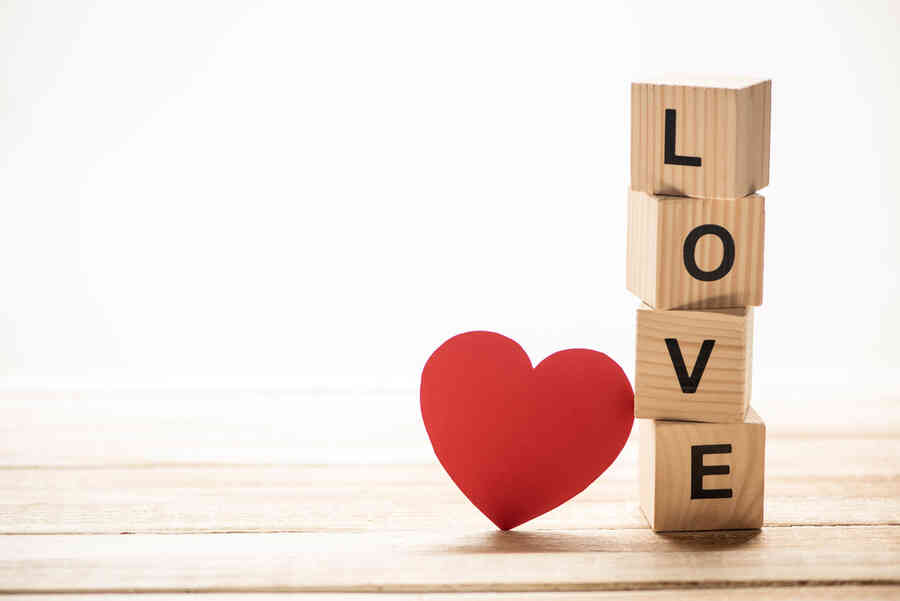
(730, 82)
(701, 138)
(725, 311)
(752, 419)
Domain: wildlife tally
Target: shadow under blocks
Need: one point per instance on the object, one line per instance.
(696, 232)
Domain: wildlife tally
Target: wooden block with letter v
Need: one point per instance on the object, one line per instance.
(695, 253)
(701, 138)
(693, 365)
(696, 476)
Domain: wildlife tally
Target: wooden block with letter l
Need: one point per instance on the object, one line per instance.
(693, 365)
(701, 138)
(697, 476)
(695, 253)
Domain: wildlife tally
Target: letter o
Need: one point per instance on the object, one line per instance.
(690, 247)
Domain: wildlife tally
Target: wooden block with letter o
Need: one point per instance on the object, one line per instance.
(706, 138)
(695, 253)
(693, 365)
(697, 476)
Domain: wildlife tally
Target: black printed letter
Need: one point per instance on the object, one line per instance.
(671, 158)
(690, 246)
(689, 383)
(698, 470)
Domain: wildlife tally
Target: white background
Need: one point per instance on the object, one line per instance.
(314, 195)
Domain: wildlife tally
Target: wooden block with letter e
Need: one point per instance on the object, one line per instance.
(697, 476)
(701, 138)
(693, 365)
(695, 253)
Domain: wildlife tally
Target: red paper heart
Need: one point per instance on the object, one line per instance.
(519, 441)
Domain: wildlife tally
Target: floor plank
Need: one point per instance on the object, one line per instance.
(773, 593)
(828, 483)
(449, 561)
(223, 499)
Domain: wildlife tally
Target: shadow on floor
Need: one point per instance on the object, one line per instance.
(603, 541)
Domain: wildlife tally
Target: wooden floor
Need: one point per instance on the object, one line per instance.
(99, 500)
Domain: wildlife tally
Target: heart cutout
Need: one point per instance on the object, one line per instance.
(519, 441)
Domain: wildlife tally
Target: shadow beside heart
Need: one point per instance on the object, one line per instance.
(604, 541)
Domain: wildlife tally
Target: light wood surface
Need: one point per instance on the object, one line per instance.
(770, 593)
(448, 559)
(155, 518)
(722, 390)
(809, 482)
(678, 461)
(726, 125)
(658, 229)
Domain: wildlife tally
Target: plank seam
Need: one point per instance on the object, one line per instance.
(476, 588)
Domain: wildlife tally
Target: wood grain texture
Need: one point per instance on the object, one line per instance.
(841, 592)
(657, 229)
(834, 481)
(450, 560)
(220, 504)
(642, 247)
(666, 473)
(726, 125)
(723, 392)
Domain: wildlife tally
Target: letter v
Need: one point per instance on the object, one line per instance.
(689, 383)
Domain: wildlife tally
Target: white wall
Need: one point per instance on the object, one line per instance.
(317, 194)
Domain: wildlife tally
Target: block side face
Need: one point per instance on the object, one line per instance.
(725, 185)
(669, 346)
(685, 497)
(639, 135)
(657, 233)
(754, 105)
(756, 509)
(748, 371)
(647, 474)
(766, 144)
(641, 246)
(631, 250)
(743, 221)
(743, 143)
(756, 269)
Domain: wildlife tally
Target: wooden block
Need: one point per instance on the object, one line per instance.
(702, 476)
(706, 138)
(695, 253)
(693, 365)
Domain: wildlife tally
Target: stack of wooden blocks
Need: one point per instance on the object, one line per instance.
(699, 152)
